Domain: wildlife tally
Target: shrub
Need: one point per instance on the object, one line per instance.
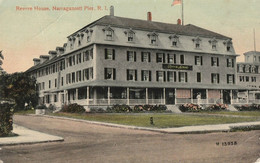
(97, 110)
(119, 109)
(146, 108)
(52, 107)
(41, 106)
(190, 108)
(252, 107)
(217, 107)
(73, 108)
(6, 119)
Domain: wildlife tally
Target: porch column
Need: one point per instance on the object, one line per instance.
(108, 95)
(221, 96)
(88, 95)
(191, 95)
(95, 96)
(77, 93)
(207, 96)
(175, 93)
(66, 96)
(247, 100)
(146, 96)
(164, 97)
(127, 95)
(231, 96)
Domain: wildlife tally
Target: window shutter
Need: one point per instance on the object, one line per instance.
(179, 76)
(135, 75)
(227, 62)
(114, 54)
(135, 56)
(142, 75)
(127, 55)
(227, 79)
(217, 62)
(150, 75)
(87, 70)
(168, 58)
(114, 74)
(201, 60)
(195, 60)
(174, 58)
(168, 75)
(164, 76)
(211, 61)
(211, 78)
(175, 76)
(218, 78)
(127, 74)
(149, 57)
(105, 53)
(157, 76)
(157, 57)
(105, 73)
(163, 58)
(186, 77)
(232, 62)
(233, 79)
(142, 56)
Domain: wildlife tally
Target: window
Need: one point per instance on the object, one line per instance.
(78, 57)
(171, 58)
(130, 36)
(91, 73)
(174, 40)
(131, 56)
(230, 78)
(240, 68)
(253, 79)
(198, 77)
(183, 77)
(78, 76)
(62, 81)
(160, 58)
(68, 78)
(198, 60)
(146, 75)
(228, 44)
(43, 85)
(109, 34)
(213, 43)
(89, 34)
(254, 58)
(241, 78)
(49, 83)
(110, 73)
(146, 57)
(131, 75)
(214, 61)
(110, 54)
(247, 68)
(160, 76)
(55, 98)
(153, 38)
(86, 56)
(230, 62)
(214, 78)
(171, 76)
(214, 47)
(88, 73)
(182, 59)
(197, 42)
(73, 77)
(197, 45)
(247, 78)
(55, 84)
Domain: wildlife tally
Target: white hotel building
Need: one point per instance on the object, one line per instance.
(116, 60)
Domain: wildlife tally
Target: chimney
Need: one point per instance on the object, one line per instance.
(44, 58)
(36, 61)
(179, 21)
(111, 10)
(52, 54)
(149, 16)
(59, 50)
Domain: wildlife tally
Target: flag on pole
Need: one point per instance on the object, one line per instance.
(176, 2)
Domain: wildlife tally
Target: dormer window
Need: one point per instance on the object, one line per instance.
(174, 40)
(213, 43)
(197, 42)
(228, 44)
(109, 33)
(130, 35)
(153, 38)
(72, 41)
(89, 34)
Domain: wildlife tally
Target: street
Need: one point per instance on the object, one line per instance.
(94, 143)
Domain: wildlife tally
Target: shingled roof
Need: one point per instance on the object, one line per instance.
(190, 30)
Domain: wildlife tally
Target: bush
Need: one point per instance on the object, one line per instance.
(190, 108)
(97, 110)
(73, 108)
(253, 107)
(52, 107)
(6, 119)
(119, 109)
(147, 108)
(42, 106)
(217, 107)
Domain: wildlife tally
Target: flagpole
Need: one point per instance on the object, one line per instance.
(254, 41)
(182, 17)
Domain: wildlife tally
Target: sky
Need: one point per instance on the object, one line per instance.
(26, 34)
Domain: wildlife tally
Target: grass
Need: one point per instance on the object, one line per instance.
(160, 120)
(24, 112)
(237, 113)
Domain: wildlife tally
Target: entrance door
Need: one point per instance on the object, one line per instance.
(226, 97)
(170, 96)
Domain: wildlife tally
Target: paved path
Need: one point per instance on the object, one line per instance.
(86, 142)
(27, 136)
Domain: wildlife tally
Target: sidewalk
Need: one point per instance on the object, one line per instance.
(176, 130)
(27, 136)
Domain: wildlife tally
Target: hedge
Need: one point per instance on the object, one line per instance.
(252, 107)
(199, 108)
(73, 108)
(136, 109)
(6, 119)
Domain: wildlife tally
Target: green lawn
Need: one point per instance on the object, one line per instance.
(239, 113)
(160, 120)
(24, 112)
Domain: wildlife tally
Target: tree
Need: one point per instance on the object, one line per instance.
(1, 62)
(19, 87)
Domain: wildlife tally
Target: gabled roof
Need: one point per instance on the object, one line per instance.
(190, 30)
